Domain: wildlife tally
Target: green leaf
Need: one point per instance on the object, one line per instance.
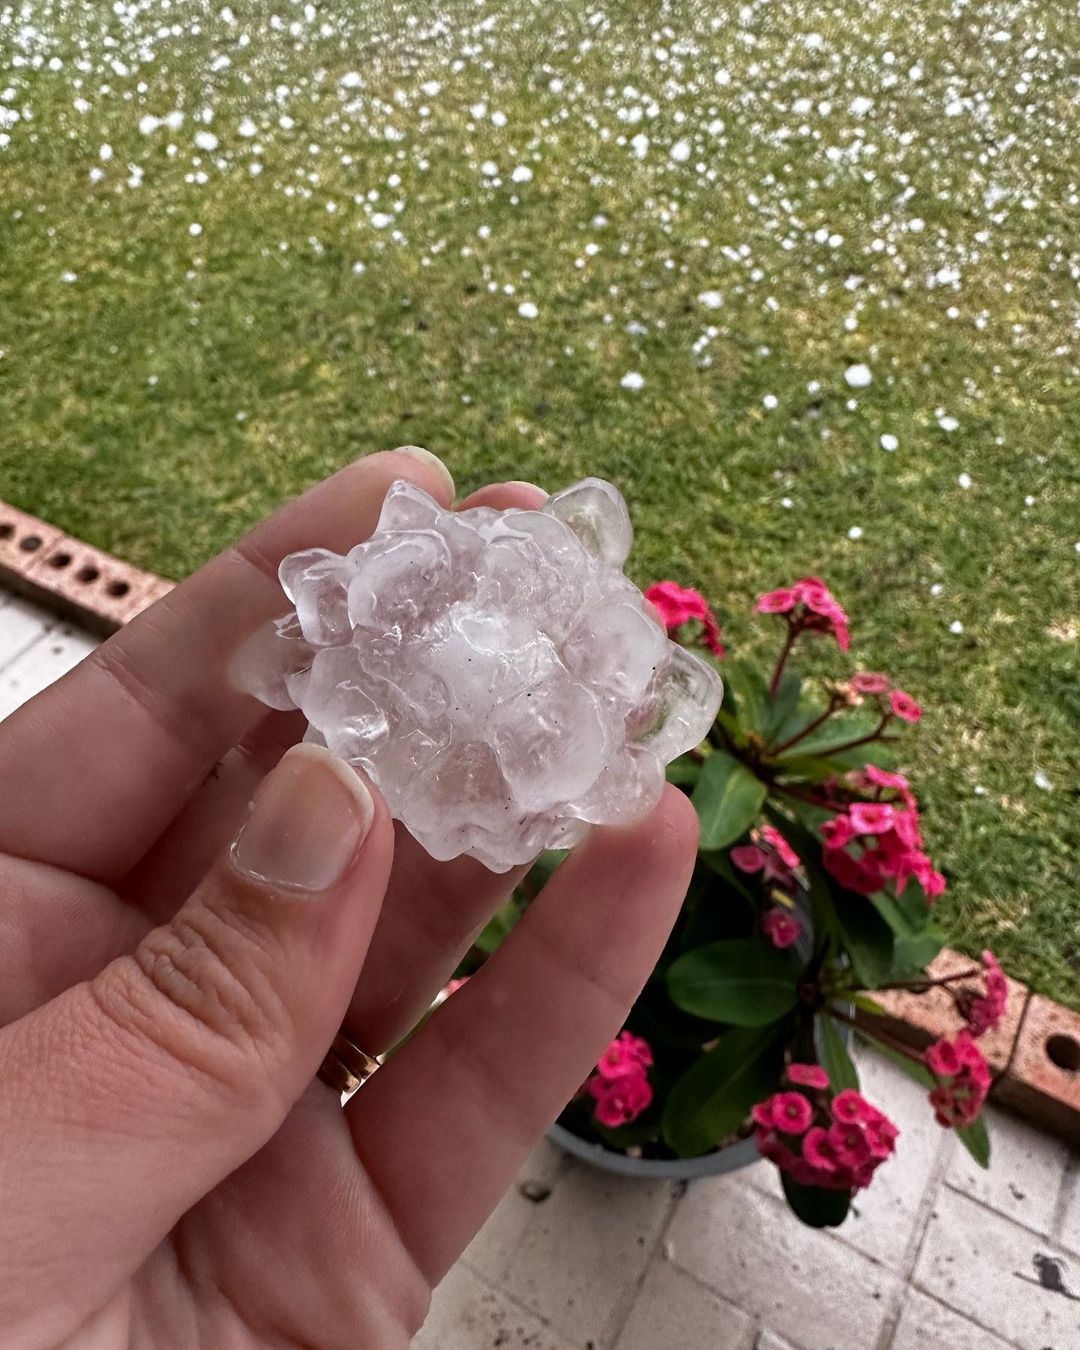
(498, 927)
(835, 1059)
(914, 1068)
(816, 1207)
(751, 694)
(913, 952)
(742, 982)
(684, 771)
(867, 1004)
(781, 720)
(728, 798)
(866, 937)
(713, 1098)
(976, 1140)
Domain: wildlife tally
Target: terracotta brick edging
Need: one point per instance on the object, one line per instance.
(76, 580)
(1034, 1056)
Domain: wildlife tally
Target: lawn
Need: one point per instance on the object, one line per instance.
(239, 246)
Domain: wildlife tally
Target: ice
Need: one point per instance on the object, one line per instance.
(493, 672)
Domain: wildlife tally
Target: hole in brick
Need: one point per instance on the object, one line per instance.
(59, 560)
(30, 542)
(87, 574)
(118, 587)
(6, 529)
(1064, 1051)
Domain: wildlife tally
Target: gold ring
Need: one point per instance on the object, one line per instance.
(346, 1067)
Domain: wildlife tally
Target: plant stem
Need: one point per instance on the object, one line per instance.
(826, 803)
(785, 652)
(921, 986)
(885, 1037)
(834, 704)
(875, 735)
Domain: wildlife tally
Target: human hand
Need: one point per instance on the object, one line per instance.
(172, 1172)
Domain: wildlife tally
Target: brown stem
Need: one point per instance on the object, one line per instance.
(826, 803)
(875, 735)
(785, 652)
(834, 704)
(921, 986)
(885, 1037)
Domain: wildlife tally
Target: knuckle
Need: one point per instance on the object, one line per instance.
(202, 990)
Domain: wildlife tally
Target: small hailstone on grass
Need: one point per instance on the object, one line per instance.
(206, 140)
(858, 376)
(633, 380)
(855, 532)
(711, 299)
(359, 267)
(956, 626)
(1042, 781)
(247, 128)
(640, 145)
(964, 480)
(528, 310)
(770, 401)
(680, 151)
(489, 169)
(786, 503)
(947, 422)
(69, 277)
(105, 152)
(522, 174)
(889, 441)
(149, 124)
(194, 228)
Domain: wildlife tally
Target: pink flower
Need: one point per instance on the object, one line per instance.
(883, 778)
(762, 1113)
(838, 831)
(848, 1144)
(678, 605)
(904, 706)
(776, 602)
(748, 858)
(817, 1150)
(625, 1054)
(776, 840)
(620, 1101)
(850, 1107)
(850, 872)
(781, 927)
(871, 817)
(963, 1079)
(807, 1075)
(869, 682)
(792, 1113)
(984, 1014)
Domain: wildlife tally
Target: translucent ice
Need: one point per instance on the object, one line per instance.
(493, 672)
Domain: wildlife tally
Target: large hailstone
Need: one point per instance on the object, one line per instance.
(493, 672)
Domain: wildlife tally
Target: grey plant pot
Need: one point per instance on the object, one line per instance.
(729, 1159)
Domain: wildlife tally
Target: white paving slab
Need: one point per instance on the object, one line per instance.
(51, 655)
(803, 1283)
(493, 1249)
(1025, 1175)
(673, 1309)
(926, 1324)
(468, 1314)
(21, 624)
(1000, 1275)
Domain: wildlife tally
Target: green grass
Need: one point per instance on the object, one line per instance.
(183, 385)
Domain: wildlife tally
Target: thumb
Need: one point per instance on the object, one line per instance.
(126, 1099)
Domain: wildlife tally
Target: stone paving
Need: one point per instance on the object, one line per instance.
(938, 1255)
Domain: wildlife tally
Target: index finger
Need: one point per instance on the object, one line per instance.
(96, 766)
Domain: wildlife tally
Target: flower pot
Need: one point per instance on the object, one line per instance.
(728, 1159)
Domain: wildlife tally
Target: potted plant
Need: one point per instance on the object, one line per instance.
(812, 890)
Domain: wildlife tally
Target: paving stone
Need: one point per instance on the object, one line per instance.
(1027, 1168)
(493, 1248)
(673, 1310)
(926, 1324)
(1000, 1275)
(1043, 1081)
(51, 656)
(467, 1314)
(804, 1283)
(21, 625)
(585, 1249)
(1069, 1231)
(883, 1218)
(769, 1340)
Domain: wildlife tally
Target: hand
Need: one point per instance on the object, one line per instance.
(172, 1172)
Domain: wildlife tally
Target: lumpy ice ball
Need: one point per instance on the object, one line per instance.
(493, 672)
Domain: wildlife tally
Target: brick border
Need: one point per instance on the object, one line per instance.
(1034, 1056)
(75, 579)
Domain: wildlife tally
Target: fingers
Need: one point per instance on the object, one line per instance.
(133, 1095)
(501, 1057)
(128, 734)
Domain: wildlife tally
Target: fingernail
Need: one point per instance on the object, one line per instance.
(426, 457)
(533, 487)
(309, 818)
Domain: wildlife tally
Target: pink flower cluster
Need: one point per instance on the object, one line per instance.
(836, 1143)
(776, 860)
(811, 608)
(620, 1085)
(984, 1012)
(876, 685)
(678, 605)
(888, 837)
(963, 1079)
